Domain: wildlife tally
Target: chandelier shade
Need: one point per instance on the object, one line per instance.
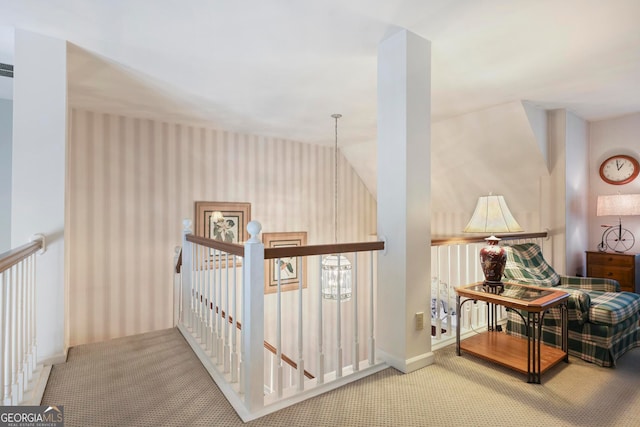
(336, 278)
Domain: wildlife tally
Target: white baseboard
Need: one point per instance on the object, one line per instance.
(56, 359)
(408, 365)
(32, 396)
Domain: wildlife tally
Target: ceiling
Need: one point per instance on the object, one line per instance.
(282, 67)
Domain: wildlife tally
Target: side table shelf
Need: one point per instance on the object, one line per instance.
(510, 351)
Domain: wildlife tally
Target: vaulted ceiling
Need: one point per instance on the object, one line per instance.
(282, 67)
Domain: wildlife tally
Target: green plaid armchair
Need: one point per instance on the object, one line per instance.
(603, 322)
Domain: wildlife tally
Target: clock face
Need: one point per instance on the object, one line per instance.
(619, 169)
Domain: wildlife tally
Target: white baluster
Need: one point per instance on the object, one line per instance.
(300, 362)
(234, 325)
(320, 377)
(198, 294)
(206, 268)
(279, 332)
(242, 303)
(3, 331)
(356, 339)
(339, 322)
(219, 319)
(227, 349)
(372, 340)
(448, 284)
(20, 336)
(8, 326)
(194, 290)
(14, 336)
(220, 341)
(34, 336)
(214, 304)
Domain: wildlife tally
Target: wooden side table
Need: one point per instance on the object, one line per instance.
(625, 268)
(529, 356)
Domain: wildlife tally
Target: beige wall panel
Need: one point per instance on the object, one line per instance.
(133, 181)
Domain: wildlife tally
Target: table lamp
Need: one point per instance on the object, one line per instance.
(492, 216)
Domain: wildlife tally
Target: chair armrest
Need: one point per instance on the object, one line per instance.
(578, 305)
(590, 283)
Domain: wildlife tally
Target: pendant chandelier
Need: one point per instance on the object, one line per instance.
(336, 268)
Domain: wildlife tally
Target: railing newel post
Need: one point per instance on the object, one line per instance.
(253, 319)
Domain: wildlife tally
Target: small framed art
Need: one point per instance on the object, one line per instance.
(290, 276)
(223, 221)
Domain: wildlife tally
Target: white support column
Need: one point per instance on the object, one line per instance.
(404, 139)
(253, 319)
(37, 204)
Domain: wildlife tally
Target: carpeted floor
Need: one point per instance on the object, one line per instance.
(155, 380)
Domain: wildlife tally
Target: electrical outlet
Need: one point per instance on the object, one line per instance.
(419, 321)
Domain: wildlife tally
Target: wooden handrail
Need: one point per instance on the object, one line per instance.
(14, 256)
(232, 248)
(458, 240)
(286, 359)
(339, 248)
(282, 252)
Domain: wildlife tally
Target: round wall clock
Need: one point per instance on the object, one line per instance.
(619, 169)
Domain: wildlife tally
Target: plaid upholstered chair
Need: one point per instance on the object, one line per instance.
(603, 322)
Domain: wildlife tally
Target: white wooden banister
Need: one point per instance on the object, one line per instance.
(19, 372)
(259, 377)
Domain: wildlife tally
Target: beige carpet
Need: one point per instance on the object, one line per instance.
(155, 380)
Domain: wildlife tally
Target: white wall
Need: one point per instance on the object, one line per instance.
(6, 126)
(577, 194)
(553, 191)
(619, 135)
(38, 174)
(493, 150)
(132, 182)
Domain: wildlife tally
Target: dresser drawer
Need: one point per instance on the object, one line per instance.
(625, 268)
(621, 274)
(611, 260)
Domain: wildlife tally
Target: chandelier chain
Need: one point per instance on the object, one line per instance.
(335, 182)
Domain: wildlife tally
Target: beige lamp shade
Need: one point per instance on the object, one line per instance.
(492, 215)
(618, 205)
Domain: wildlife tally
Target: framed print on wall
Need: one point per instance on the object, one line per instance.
(223, 221)
(289, 275)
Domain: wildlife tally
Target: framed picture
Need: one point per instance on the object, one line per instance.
(222, 221)
(290, 276)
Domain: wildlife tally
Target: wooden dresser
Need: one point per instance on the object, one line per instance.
(625, 268)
